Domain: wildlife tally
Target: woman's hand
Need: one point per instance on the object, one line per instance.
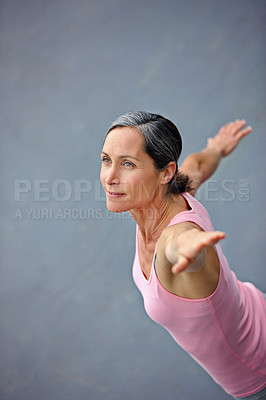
(187, 251)
(201, 166)
(228, 137)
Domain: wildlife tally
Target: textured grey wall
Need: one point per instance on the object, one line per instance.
(72, 322)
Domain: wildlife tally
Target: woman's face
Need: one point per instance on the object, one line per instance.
(128, 175)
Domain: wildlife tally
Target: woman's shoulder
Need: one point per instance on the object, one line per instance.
(191, 210)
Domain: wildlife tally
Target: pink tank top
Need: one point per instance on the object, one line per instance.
(225, 332)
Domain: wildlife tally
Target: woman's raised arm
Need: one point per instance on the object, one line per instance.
(200, 166)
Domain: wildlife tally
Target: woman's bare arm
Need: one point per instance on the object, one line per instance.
(187, 263)
(200, 166)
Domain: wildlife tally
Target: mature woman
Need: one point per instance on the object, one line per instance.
(179, 267)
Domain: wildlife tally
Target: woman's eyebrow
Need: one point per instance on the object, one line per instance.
(122, 156)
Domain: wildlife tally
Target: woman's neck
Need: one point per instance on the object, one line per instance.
(154, 218)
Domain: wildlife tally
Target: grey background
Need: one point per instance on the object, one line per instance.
(72, 323)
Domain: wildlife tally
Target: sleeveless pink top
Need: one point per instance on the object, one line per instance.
(225, 332)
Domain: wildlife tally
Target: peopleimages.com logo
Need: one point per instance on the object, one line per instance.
(61, 191)
(224, 190)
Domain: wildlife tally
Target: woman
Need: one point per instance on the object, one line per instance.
(179, 267)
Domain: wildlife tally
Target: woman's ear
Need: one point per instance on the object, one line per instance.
(168, 172)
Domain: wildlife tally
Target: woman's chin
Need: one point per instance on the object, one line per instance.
(116, 208)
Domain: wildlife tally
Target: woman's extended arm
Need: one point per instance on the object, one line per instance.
(187, 264)
(200, 166)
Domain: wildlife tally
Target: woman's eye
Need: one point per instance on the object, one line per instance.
(107, 160)
(128, 164)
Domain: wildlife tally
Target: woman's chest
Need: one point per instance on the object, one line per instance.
(146, 255)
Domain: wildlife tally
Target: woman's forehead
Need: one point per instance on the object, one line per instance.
(124, 138)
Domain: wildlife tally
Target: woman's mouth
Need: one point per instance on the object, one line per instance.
(114, 195)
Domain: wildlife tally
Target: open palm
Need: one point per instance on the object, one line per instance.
(229, 136)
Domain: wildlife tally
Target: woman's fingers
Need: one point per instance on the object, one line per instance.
(181, 265)
(237, 128)
(229, 136)
(244, 132)
(210, 238)
(233, 128)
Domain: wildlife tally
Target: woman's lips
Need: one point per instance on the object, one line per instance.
(114, 194)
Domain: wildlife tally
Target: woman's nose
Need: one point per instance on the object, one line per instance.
(112, 176)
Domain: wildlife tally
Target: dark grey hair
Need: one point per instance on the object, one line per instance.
(162, 142)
